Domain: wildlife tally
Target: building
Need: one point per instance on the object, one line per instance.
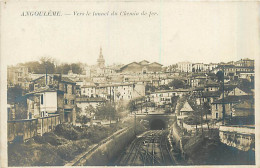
(250, 76)
(84, 103)
(142, 67)
(245, 63)
(18, 75)
(244, 109)
(44, 102)
(197, 81)
(186, 110)
(66, 109)
(198, 67)
(212, 86)
(228, 102)
(162, 97)
(121, 91)
(89, 90)
(68, 87)
(239, 92)
(184, 66)
(10, 112)
(41, 81)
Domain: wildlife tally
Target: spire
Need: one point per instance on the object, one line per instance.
(101, 61)
(100, 55)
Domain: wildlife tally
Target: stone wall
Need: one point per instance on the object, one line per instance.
(242, 138)
(106, 152)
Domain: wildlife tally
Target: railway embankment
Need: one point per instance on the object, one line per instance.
(107, 151)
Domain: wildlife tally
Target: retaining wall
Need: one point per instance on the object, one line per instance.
(108, 150)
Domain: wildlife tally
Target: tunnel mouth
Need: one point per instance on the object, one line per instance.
(157, 124)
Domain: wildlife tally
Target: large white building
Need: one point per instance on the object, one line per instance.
(89, 90)
(115, 91)
(184, 66)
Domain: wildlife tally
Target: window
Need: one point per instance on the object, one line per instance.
(65, 88)
(216, 106)
(65, 101)
(216, 115)
(41, 98)
(72, 90)
(72, 101)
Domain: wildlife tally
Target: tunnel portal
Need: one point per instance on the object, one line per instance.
(157, 124)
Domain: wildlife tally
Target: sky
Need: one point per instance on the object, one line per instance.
(182, 31)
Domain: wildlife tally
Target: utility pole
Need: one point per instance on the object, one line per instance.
(135, 124)
(146, 110)
(141, 104)
(223, 101)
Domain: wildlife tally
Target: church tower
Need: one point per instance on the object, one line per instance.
(101, 60)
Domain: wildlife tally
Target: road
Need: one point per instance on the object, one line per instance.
(149, 149)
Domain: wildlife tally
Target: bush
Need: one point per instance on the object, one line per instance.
(39, 139)
(53, 139)
(67, 131)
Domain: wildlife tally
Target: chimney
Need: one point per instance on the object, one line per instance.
(46, 77)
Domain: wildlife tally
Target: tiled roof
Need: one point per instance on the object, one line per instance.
(211, 94)
(67, 80)
(212, 85)
(43, 89)
(90, 99)
(43, 76)
(247, 104)
(232, 99)
(186, 107)
(198, 88)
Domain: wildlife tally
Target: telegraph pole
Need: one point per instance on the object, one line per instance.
(223, 92)
(135, 124)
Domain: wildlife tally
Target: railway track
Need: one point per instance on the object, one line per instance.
(149, 149)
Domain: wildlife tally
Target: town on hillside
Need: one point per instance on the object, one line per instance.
(144, 112)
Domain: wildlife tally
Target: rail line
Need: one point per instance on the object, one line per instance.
(150, 149)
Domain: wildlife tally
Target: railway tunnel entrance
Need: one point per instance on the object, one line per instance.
(157, 124)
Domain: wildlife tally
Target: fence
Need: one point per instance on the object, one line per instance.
(192, 128)
(47, 124)
(26, 129)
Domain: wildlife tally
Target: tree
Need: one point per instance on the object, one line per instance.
(220, 76)
(14, 92)
(76, 68)
(47, 64)
(206, 109)
(176, 84)
(90, 110)
(84, 120)
(106, 111)
(33, 66)
(149, 88)
(63, 68)
(131, 106)
(21, 110)
(78, 114)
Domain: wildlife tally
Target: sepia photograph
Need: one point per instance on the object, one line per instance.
(129, 83)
